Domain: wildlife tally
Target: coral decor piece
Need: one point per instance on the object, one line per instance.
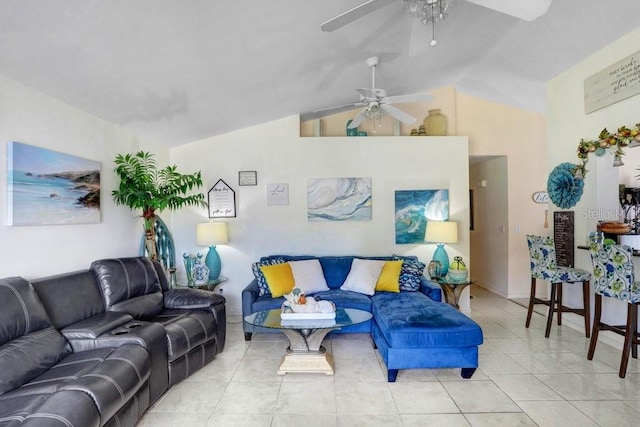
(606, 141)
(564, 187)
(297, 302)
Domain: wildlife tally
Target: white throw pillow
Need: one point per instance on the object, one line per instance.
(309, 276)
(363, 276)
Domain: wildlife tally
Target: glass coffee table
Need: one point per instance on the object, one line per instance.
(305, 352)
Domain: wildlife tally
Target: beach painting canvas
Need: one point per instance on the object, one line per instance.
(47, 187)
(414, 208)
(339, 199)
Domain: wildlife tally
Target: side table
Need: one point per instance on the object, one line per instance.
(452, 289)
(209, 286)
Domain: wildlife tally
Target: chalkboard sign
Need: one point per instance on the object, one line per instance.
(564, 239)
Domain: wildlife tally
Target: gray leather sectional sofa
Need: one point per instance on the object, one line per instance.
(96, 347)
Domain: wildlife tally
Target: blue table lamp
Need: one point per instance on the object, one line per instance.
(441, 232)
(212, 234)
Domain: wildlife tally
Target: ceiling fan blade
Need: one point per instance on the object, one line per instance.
(354, 14)
(372, 93)
(359, 118)
(527, 10)
(340, 107)
(416, 97)
(323, 112)
(398, 114)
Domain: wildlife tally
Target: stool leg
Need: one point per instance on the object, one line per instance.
(596, 327)
(634, 334)
(531, 300)
(559, 302)
(586, 304)
(632, 319)
(552, 304)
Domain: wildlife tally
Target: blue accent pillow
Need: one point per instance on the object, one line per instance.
(263, 288)
(410, 273)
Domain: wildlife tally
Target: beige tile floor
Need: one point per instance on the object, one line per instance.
(523, 379)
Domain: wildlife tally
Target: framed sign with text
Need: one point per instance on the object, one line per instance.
(222, 201)
(247, 178)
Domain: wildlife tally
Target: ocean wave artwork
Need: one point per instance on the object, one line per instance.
(46, 187)
(339, 199)
(414, 208)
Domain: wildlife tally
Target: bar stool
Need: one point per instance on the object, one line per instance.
(614, 276)
(542, 256)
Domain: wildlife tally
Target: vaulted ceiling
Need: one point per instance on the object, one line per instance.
(180, 71)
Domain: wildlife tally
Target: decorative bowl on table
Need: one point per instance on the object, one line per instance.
(614, 227)
(458, 275)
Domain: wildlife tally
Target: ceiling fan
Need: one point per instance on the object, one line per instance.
(376, 103)
(527, 10)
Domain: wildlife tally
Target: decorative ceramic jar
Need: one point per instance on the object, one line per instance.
(435, 124)
(458, 270)
(200, 273)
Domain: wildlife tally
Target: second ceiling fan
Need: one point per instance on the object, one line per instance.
(376, 103)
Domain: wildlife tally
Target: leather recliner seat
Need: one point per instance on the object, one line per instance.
(45, 383)
(194, 320)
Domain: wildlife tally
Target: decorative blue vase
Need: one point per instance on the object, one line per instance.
(188, 266)
(351, 132)
(441, 255)
(213, 263)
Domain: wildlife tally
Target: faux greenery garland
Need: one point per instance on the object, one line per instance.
(606, 141)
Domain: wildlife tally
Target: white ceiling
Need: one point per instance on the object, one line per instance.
(180, 71)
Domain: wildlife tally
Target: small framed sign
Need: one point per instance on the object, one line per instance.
(277, 194)
(247, 178)
(222, 201)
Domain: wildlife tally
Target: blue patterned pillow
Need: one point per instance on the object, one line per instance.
(263, 288)
(410, 274)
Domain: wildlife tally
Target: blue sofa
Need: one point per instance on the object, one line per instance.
(410, 329)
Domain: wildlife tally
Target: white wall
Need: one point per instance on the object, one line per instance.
(519, 136)
(34, 251)
(567, 124)
(279, 155)
(490, 237)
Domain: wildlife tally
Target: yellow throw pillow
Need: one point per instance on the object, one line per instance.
(389, 279)
(279, 278)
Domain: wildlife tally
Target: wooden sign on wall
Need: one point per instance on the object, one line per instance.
(563, 230)
(615, 83)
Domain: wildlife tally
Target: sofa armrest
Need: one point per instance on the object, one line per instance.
(192, 299)
(95, 326)
(249, 296)
(431, 289)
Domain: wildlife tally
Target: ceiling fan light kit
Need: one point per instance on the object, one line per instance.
(432, 11)
(427, 11)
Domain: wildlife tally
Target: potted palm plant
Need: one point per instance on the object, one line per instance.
(143, 186)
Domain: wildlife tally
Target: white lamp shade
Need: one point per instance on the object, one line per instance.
(211, 234)
(441, 232)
